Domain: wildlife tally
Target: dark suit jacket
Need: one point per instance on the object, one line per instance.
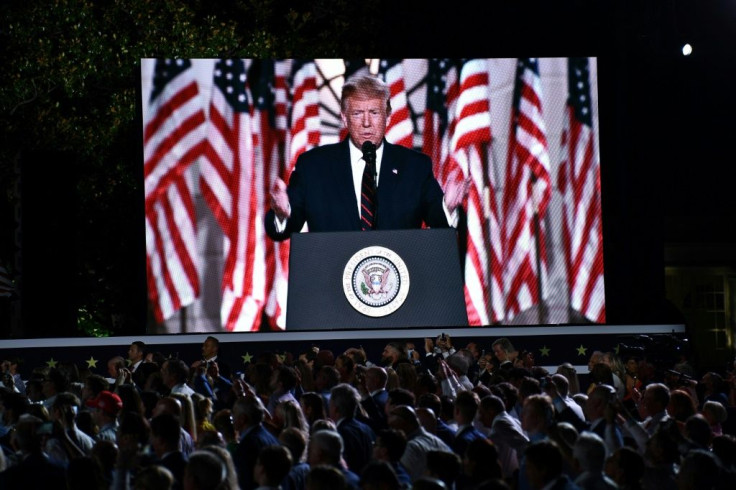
(246, 454)
(375, 407)
(176, 463)
(322, 193)
(357, 439)
(35, 471)
(464, 437)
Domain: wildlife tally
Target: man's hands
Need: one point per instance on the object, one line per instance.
(455, 193)
(280, 200)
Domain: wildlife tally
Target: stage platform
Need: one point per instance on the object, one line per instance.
(550, 345)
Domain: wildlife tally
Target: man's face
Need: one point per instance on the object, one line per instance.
(389, 355)
(209, 349)
(499, 353)
(365, 119)
(112, 369)
(134, 353)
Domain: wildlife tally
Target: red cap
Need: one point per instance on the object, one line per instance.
(108, 402)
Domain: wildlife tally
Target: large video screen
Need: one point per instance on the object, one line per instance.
(521, 132)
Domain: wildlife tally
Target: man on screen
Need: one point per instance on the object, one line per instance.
(363, 182)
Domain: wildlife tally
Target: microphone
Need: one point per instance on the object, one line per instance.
(369, 155)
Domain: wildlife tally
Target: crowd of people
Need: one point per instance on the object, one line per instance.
(437, 416)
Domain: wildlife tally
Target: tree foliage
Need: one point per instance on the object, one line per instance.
(71, 85)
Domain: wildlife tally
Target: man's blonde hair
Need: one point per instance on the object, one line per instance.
(365, 86)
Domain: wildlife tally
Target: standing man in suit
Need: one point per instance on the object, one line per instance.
(505, 433)
(363, 182)
(248, 412)
(375, 398)
(466, 406)
(357, 437)
(165, 433)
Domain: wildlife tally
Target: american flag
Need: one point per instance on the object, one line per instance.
(579, 183)
(304, 126)
(526, 194)
(305, 123)
(469, 146)
(353, 66)
(399, 128)
(6, 284)
(233, 190)
(173, 138)
(441, 85)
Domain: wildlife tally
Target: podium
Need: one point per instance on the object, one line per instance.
(375, 279)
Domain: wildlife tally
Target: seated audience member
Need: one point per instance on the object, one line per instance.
(204, 471)
(33, 468)
(272, 466)
(589, 453)
(223, 422)
(700, 471)
(154, 477)
(480, 464)
(681, 406)
(174, 407)
(715, 413)
(379, 475)
(444, 466)
(626, 468)
(429, 483)
(165, 436)
(295, 441)
(600, 374)
(389, 447)
(321, 477)
(724, 446)
(325, 448)
(105, 409)
(345, 365)
(544, 467)
(697, 431)
(661, 457)
(313, 407)
(419, 441)
(399, 396)
(231, 479)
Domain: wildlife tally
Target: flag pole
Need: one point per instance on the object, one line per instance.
(183, 320)
(541, 310)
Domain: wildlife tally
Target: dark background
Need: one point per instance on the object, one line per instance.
(71, 215)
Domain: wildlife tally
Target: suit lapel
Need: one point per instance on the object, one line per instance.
(342, 174)
(392, 167)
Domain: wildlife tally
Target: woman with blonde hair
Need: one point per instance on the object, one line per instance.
(568, 371)
(188, 421)
(290, 414)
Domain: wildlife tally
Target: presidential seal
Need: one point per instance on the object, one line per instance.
(375, 281)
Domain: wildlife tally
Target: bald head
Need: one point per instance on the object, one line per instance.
(403, 418)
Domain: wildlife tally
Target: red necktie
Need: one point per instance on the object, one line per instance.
(368, 195)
